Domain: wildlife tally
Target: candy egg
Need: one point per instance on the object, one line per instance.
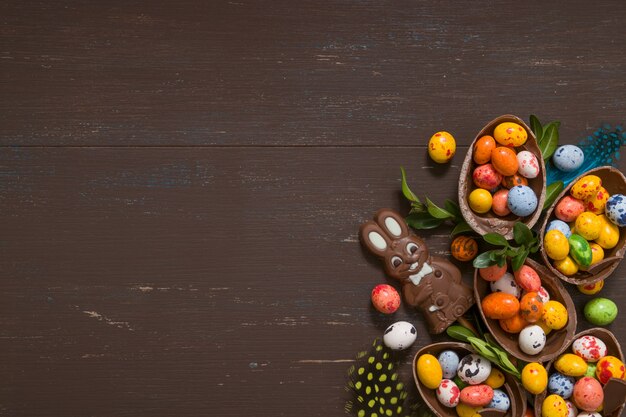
(615, 209)
(568, 158)
(554, 406)
(531, 307)
(597, 202)
(459, 382)
(592, 367)
(464, 248)
(514, 324)
(506, 284)
(610, 367)
(589, 414)
(513, 180)
(561, 226)
(541, 323)
(483, 148)
(566, 266)
(532, 339)
(534, 378)
(504, 160)
(591, 289)
(600, 311)
(499, 204)
(510, 134)
(586, 187)
(486, 177)
(568, 208)
(429, 371)
(385, 298)
(528, 164)
(500, 305)
(449, 362)
(554, 315)
(571, 365)
(588, 394)
(590, 348)
(477, 395)
(441, 147)
(495, 378)
(400, 335)
(597, 254)
(500, 400)
(556, 245)
(480, 200)
(561, 385)
(579, 249)
(571, 409)
(448, 393)
(492, 273)
(588, 225)
(474, 369)
(609, 233)
(527, 279)
(464, 410)
(522, 201)
(543, 294)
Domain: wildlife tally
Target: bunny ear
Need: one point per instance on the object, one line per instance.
(392, 223)
(374, 238)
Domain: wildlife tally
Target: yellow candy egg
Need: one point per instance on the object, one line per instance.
(554, 406)
(597, 201)
(588, 225)
(495, 379)
(597, 254)
(510, 134)
(441, 147)
(554, 315)
(429, 371)
(610, 367)
(609, 233)
(591, 289)
(480, 200)
(464, 410)
(556, 245)
(566, 266)
(586, 187)
(571, 365)
(544, 326)
(534, 378)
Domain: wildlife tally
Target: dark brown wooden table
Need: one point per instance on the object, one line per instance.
(182, 183)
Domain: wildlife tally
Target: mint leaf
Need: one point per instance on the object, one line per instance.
(495, 239)
(406, 190)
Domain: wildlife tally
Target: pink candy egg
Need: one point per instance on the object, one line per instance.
(499, 203)
(568, 209)
(485, 176)
(385, 298)
(528, 164)
(588, 394)
(527, 279)
(477, 395)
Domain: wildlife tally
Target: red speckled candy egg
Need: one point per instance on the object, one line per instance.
(485, 176)
(610, 367)
(477, 395)
(568, 209)
(528, 279)
(588, 394)
(492, 273)
(590, 348)
(385, 298)
(499, 203)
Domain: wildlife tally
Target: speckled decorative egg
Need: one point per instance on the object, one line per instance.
(492, 273)
(597, 253)
(510, 134)
(556, 245)
(459, 382)
(566, 266)
(500, 400)
(571, 409)
(532, 339)
(464, 248)
(586, 187)
(480, 200)
(483, 148)
(554, 406)
(486, 177)
(495, 379)
(547, 330)
(504, 160)
(588, 225)
(554, 315)
(561, 226)
(588, 394)
(615, 209)
(588, 414)
(597, 201)
(568, 208)
(513, 324)
(513, 180)
(500, 305)
(531, 307)
(543, 294)
(448, 393)
(400, 335)
(429, 371)
(591, 289)
(477, 395)
(522, 201)
(561, 385)
(385, 298)
(528, 164)
(600, 311)
(579, 249)
(449, 362)
(499, 204)
(592, 367)
(534, 378)
(441, 147)
(590, 348)
(568, 158)
(464, 410)
(609, 233)
(527, 279)
(474, 369)
(506, 284)
(610, 367)
(570, 365)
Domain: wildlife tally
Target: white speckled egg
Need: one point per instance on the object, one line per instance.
(522, 200)
(543, 294)
(507, 285)
(568, 158)
(561, 226)
(400, 335)
(448, 393)
(590, 348)
(528, 165)
(561, 385)
(449, 361)
(615, 209)
(572, 411)
(474, 369)
(532, 339)
(589, 414)
(500, 400)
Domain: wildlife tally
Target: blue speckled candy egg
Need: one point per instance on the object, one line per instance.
(568, 158)
(561, 226)
(562, 385)
(522, 200)
(500, 400)
(615, 209)
(449, 362)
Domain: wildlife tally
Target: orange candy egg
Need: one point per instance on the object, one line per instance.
(504, 160)
(492, 273)
(514, 324)
(500, 305)
(464, 248)
(514, 180)
(483, 148)
(499, 203)
(531, 307)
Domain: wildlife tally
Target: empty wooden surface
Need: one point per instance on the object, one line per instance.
(181, 183)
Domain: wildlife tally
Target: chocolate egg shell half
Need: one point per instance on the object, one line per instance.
(489, 222)
(615, 183)
(614, 390)
(511, 386)
(556, 342)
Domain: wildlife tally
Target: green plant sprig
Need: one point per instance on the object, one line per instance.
(547, 136)
(526, 241)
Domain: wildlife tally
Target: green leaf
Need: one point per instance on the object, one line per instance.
(436, 211)
(495, 239)
(406, 190)
(483, 260)
(511, 252)
(461, 227)
(536, 127)
(453, 208)
(552, 192)
(501, 261)
(518, 260)
(422, 221)
(522, 234)
(459, 332)
(549, 141)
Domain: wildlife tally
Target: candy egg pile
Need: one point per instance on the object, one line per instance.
(522, 306)
(586, 225)
(468, 383)
(502, 173)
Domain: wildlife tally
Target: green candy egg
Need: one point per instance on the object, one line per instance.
(591, 370)
(600, 311)
(580, 250)
(459, 382)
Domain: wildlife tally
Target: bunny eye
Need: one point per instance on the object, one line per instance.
(411, 248)
(396, 261)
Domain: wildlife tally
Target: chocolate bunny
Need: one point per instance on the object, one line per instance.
(429, 283)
